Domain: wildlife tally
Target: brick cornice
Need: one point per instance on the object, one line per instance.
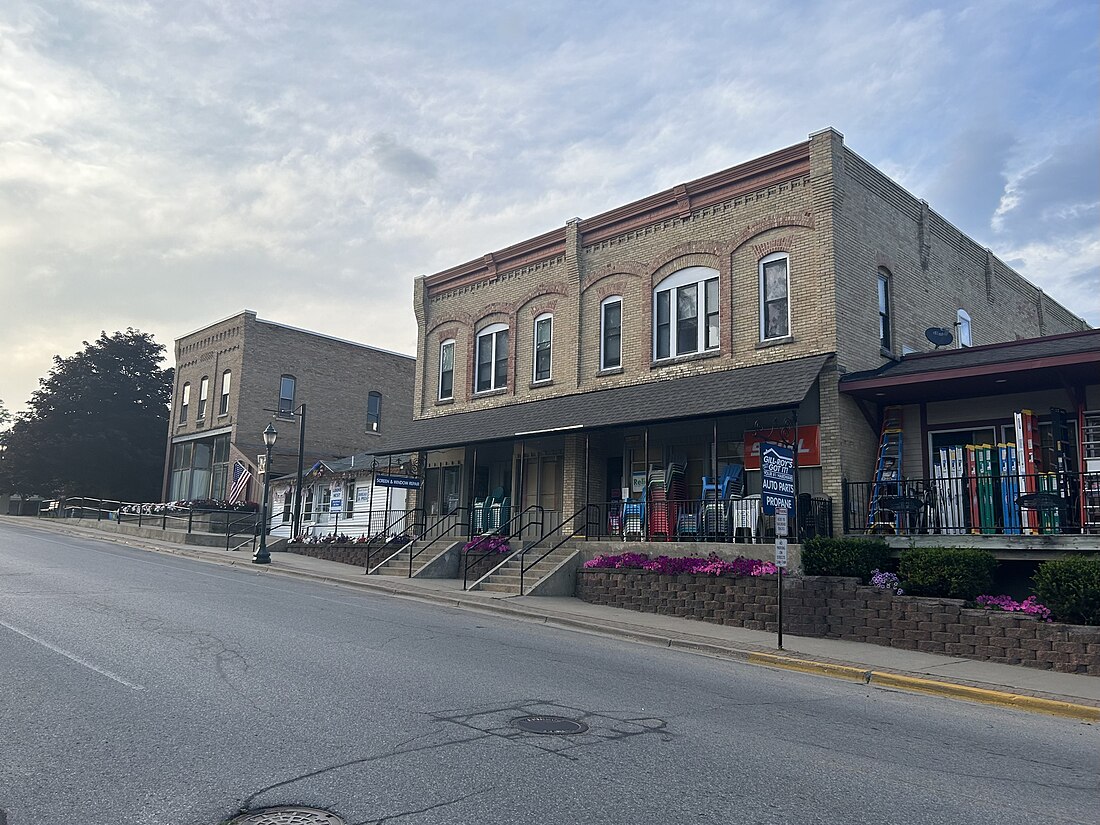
(677, 202)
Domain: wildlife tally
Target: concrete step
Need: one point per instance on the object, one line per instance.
(492, 587)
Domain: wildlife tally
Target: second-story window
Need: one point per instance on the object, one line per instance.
(185, 401)
(884, 330)
(447, 370)
(492, 358)
(204, 391)
(287, 386)
(775, 318)
(685, 311)
(544, 337)
(374, 411)
(611, 332)
(962, 324)
(223, 403)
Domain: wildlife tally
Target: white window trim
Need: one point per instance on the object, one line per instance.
(223, 399)
(377, 424)
(697, 275)
(204, 396)
(616, 299)
(293, 396)
(185, 402)
(546, 316)
(450, 342)
(489, 332)
(767, 259)
(962, 320)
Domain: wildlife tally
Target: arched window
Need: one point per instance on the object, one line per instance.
(288, 384)
(185, 401)
(223, 403)
(685, 312)
(962, 325)
(775, 308)
(374, 411)
(447, 370)
(543, 347)
(204, 391)
(885, 330)
(611, 332)
(492, 358)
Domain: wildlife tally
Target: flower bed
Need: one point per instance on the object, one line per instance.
(712, 565)
(841, 608)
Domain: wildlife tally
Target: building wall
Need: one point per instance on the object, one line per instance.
(730, 236)
(934, 269)
(333, 379)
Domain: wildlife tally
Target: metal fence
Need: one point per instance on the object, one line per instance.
(1036, 504)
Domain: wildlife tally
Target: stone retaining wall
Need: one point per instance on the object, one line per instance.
(344, 553)
(840, 608)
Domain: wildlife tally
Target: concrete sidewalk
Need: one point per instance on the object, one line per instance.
(1063, 694)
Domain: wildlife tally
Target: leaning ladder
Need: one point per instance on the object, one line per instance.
(888, 470)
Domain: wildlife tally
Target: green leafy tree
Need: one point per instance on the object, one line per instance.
(97, 424)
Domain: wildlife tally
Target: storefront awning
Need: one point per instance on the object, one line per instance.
(1053, 362)
(749, 389)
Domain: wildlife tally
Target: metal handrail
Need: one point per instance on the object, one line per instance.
(442, 533)
(372, 544)
(419, 537)
(230, 523)
(499, 533)
(587, 509)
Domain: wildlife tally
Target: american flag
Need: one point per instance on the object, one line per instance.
(241, 477)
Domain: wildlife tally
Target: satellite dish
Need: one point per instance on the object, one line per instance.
(938, 336)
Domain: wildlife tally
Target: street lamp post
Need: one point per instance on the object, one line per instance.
(301, 466)
(262, 556)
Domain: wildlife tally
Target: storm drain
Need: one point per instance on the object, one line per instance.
(550, 725)
(288, 815)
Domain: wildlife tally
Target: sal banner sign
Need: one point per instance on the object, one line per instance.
(776, 477)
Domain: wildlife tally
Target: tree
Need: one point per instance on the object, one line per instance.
(97, 424)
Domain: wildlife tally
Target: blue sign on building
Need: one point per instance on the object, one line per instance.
(776, 477)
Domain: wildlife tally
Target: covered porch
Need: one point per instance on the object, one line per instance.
(999, 447)
(666, 461)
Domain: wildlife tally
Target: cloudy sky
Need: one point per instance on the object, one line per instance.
(165, 164)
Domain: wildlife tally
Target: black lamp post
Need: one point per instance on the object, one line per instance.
(262, 556)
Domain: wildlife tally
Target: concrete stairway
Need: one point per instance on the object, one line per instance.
(506, 578)
(399, 564)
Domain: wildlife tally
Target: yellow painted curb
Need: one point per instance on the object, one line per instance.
(1052, 707)
(986, 696)
(854, 674)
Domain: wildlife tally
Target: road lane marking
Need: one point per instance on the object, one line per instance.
(72, 656)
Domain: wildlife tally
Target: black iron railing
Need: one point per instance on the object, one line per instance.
(1010, 505)
(584, 521)
(517, 526)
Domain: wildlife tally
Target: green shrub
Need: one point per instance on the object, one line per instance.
(844, 557)
(1070, 587)
(954, 572)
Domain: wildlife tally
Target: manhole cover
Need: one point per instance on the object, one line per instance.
(288, 816)
(552, 725)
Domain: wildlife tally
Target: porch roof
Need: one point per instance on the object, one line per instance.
(761, 387)
(1054, 361)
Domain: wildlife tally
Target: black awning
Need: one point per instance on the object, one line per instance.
(762, 387)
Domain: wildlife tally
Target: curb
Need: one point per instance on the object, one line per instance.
(932, 687)
(871, 677)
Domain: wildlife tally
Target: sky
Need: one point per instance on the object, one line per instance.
(167, 164)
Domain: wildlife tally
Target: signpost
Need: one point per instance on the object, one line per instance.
(780, 564)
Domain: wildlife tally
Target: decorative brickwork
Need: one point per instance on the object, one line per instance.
(839, 608)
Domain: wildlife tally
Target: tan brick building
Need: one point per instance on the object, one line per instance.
(240, 374)
(668, 333)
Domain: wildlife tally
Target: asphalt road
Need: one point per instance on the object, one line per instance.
(142, 688)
